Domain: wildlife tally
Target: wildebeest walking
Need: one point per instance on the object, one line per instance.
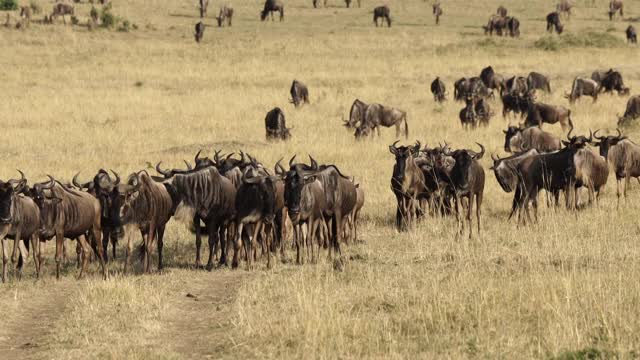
(226, 13)
(275, 125)
(518, 139)
(631, 112)
(614, 7)
(537, 81)
(299, 93)
(623, 155)
(496, 23)
(25, 13)
(382, 12)
(199, 31)
(631, 35)
(492, 80)
(610, 81)
(539, 113)
(271, 6)
(583, 87)
(438, 90)
(437, 12)
(377, 115)
(356, 114)
(61, 9)
(467, 115)
(553, 21)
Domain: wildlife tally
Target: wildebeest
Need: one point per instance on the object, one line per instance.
(68, 213)
(513, 25)
(631, 35)
(537, 81)
(632, 111)
(25, 13)
(438, 90)
(356, 114)
(202, 6)
(377, 115)
(437, 12)
(483, 111)
(553, 21)
(516, 85)
(539, 113)
(355, 214)
(467, 115)
(20, 222)
(271, 6)
(615, 6)
(473, 87)
(508, 176)
(299, 93)
(592, 172)
(382, 12)
(492, 80)
(518, 139)
(623, 155)
(609, 81)
(61, 9)
(199, 31)
(511, 102)
(496, 23)
(226, 13)
(348, 3)
(407, 183)
(583, 86)
(275, 125)
(564, 6)
(502, 11)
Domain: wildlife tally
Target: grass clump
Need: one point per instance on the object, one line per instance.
(587, 40)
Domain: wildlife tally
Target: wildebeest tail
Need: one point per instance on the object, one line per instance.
(569, 117)
(406, 127)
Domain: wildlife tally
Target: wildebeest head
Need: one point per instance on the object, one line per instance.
(122, 197)
(402, 155)
(362, 131)
(48, 203)
(199, 31)
(8, 190)
(263, 186)
(101, 187)
(294, 182)
(508, 135)
(606, 142)
(577, 142)
(463, 158)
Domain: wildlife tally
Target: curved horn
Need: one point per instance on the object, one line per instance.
(49, 184)
(617, 129)
(481, 154)
(590, 136)
(117, 180)
(314, 163)
(21, 183)
(216, 157)
(291, 161)
(165, 173)
(595, 135)
(569, 133)
(189, 167)
(279, 169)
(242, 160)
(494, 158)
(197, 156)
(75, 182)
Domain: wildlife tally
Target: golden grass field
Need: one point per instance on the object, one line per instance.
(74, 100)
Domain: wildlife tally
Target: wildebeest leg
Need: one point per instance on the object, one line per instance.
(128, 252)
(618, 183)
(5, 255)
(236, 244)
(160, 246)
(99, 254)
(469, 213)
(114, 241)
(34, 249)
(59, 245)
(312, 224)
(196, 222)
(24, 253)
(296, 240)
(281, 14)
(214, 234)
(627, 180)
(105, 243)
(40, 254)
(78, 254)
(478, 210)
(514, 203)
(256, 231)
(86, 251)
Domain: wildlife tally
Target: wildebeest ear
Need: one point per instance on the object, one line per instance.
(505, 131)
(565, 143)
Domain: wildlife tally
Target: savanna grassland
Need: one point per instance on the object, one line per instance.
(78, 100)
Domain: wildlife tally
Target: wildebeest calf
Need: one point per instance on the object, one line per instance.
(437, 12)
(438, 90)
(299, 93)
(275, 125)
(631, 35)
(271, 6)
(61, 9)
(614, 7)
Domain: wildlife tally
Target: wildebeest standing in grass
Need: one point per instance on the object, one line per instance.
(623, 155)
(553, 21)
(437, 12)
(492, 80)
(356, 114)
(407, 184)
(275, 125)
(438, 90)
(355, 214)
(564, 6)
(513, 25)
(377, 115)
(382, 12)
(610, 81)
(25, 13)
(199, 31)
(226, 13)
(271, 6)
(202, 6)
(518, 139)
(516, 85)
(299, 93)
(496, 23)
(537, 81)
(68, 213)
(508, 175)
(539, 113)
(583, 87)
(467, 115)
(61, 9)
(631, 112)
(614, 7)
(631, 35)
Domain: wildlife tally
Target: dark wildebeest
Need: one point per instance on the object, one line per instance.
(612, 80)
(438, 90)
(583, 86)
(377, 115)
(514, 103)
(623, 155)
(202, 6)
(226, 13)
(68, 213)
(513, 25)
(516, 85)
(473, 87)
(382, 12)
(299, 93)
(61, 9)
(492, 80)
(615, 6)
(508, 176)
(631, 35)
(356, 114)
(275, 125)
(407, 183)
(146, 205)
(632, 111)
(483, 111)
(497, 23)
(467, 115)
(592, 172)
(502, 11)
(539, 113)
(437, 12)
(518, 139)
(537, 81)
(20, 222)
(271, 6)
(553, 21)
(102, 187)
(348, 3)
(564, 6)
(199, 31)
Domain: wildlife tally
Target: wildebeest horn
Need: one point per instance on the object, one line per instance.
(216, 157)
(77, 184)
(189, 167)
(569, 133)
(314, 163)
(279, 169)
(197, 156)
(165, 173)
(590, 136)
(617, 129)
(117, 180)
(291, 161)
(21, 183)
(595, 135)
(494, 158)
(479, 156)
(242, 156)
(49, 184)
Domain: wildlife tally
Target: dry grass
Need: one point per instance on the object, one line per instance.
(75, 100)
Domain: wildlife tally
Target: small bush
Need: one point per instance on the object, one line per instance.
(74, 20)
(8, 5)
(93, 13)
(587, 40)
(125, 26)
(107, 19)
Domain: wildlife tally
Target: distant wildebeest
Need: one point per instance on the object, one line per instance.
(631, 35)
(523, 139)
(68, 213)
(610, 81)
(473, 87)
(226, 13)
(20, 222)
(553, 21)
(271, 6)
(437, 12)
(315, 3)
(467, 115)
(583, 86)
(616, 6)
(631, 112)
(508, 175)
(61, 9)
(537, 81)
(502, 11)
(382, 12)
(377, 115)
(516, 85)
(564, 6)
(513, 25)
(483, 111)
(299, 93)
(496, 23)
(202, 6)
(25, 13)
(199, 31)
(623, 155)
(539, 113)
(492, 80)
(275, 125)
(356, 114)
(438, 90)
(511, 102)
(348, 2)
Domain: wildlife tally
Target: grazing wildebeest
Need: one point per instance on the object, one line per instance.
(199, 31)
(623, 155)
(502, 11)
(632, 111)
(146, 205)
(25, 13)
(20, 222)
(537, 81)
(407, 183)
(583, 86)
(377, 115)
(631, 35)
(270, 6)
(101, 187)
(518, 139)
(356, 114)
(275, 125)
(610, 81)
(438, 90)
(68, 213)
(492, 80)
(507, 173)
(203, 5)
(513, 25)
(553, 21)
(299, 93)
(564, 6)
(382, 12)
(539, 113)
(437, 12)
(226, 13)
(497, 23)
(615, 6)
(61, 9)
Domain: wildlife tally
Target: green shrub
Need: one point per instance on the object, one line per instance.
(125, 26)
(74, 20)
(8, 4)
(587, 40)
(93, 13)
(107, 19)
